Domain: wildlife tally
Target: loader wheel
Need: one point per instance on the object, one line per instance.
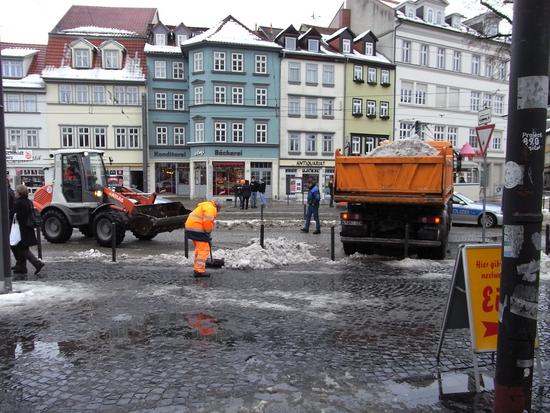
(102, 227)
(86, 230)
(56, 227)
(144, 237)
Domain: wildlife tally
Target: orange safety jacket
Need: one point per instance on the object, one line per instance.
(200, 222)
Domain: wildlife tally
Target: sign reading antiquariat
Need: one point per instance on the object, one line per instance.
(309, 163)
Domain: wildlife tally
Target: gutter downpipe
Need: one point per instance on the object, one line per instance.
(395, 76)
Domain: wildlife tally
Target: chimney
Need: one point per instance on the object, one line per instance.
(344, 17)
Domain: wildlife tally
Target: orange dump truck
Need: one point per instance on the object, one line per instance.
(396, 201)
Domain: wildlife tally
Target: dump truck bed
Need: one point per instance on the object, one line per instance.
(417, 180)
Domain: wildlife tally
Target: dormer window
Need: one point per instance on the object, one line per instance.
(82, 58)
(12, 68)
(369, 48)
(290, 43)
(439, 17)
(430, 16)
(160, 39)
(312, 45)
(346, 45)
(111, 59)
(180, 38)
(410, 12)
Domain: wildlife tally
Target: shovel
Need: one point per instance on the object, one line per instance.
(214, 263)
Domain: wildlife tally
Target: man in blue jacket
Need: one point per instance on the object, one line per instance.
(313, 199)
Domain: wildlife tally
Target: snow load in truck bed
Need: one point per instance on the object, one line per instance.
(404, 147)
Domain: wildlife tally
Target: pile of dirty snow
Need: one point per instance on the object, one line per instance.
(403, 147)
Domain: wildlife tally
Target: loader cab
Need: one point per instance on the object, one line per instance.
(82, 174)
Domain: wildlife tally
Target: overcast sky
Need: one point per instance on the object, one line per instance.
(29, 21)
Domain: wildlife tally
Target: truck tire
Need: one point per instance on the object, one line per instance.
(86, 230)
(144, 237)
(56, 227)
(349, 248)
(102, 227)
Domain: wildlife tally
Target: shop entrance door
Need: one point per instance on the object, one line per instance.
(183, 187)
(262, 170)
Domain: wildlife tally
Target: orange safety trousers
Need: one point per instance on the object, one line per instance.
(202, 250)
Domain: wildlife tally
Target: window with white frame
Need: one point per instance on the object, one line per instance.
(219, 95)
(98, 94)
(160, 69)
(100, 137)
(328, 144)
(496, 139)
(454, 98)
(472, 138)
(499, 104)
(162, 135)
(440, 58)
(475, 101)
(132, 95)
(424, 54)
(355, 145)
(198, 92)
(430, 16)
(261, 64)
(261, 96)
(178, 70)
(67, 137)
(369, 144)
(294, 72)
(294, 106)
(160, 39)
(14, 138)
(405, 129)
(369, 48)
(180, 38)
(502, 70)
(134, 138)
(487, 100)
(346, 45)
(220, 132)
(311, 73)
(179, 101)
(357, 107)
(29, 103)
(290, 43)
(328, 107)
(406, 92)
(452, 135)
(371, 75)
(12, 68)
(312, 45)
(199, 131)
(438, 17)
(311, 107)
(13, 103)
(384, 110)
(384, 77)
(439, 132)
(489, 67)
(311, 143)
(238, 132)
(219, 61)
(476, 62)
(65, 94)
(31, 138)
(406, 51)
(294, 143)
(420, 94)
(237, 62)
(111, 59)
(328, 75)
(82, 58)
(160, 101)
(81, 94)
(83, 137)
(371, 108)
(119, 93)
(441, 96)
(457, 61)
(120, 137)
(358, 73)
(237, 95)
(179, 135)
(198, 62)
(261, 132)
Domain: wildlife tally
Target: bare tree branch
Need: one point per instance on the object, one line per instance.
(494, 10)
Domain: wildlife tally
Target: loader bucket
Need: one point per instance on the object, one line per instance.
(156, 218)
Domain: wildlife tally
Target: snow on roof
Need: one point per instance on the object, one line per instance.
(132, 72)
(230, 31)
(150, 48)
(99, 31)
(29, 82)
(18, 52)
(335, 34)
(378, 58)
(361, 35)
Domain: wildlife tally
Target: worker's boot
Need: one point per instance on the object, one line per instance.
(197, 274)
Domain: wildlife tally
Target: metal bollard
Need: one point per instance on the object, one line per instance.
(262, 235)
(186, 244)
(547, 240)
(406, 246)
(262, 213)
(332, 243)
(39, 242)
(113, 240)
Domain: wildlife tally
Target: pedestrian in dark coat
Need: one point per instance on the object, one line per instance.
(254, 187)
(237, 190)
(261, 192)
(23, 209)
(331, 191)
(246, 192)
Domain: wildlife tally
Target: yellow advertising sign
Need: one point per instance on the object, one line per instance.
(482, 264)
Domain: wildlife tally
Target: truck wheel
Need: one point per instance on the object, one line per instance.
(56, 227)
(86, 230)
(102, 227)
(349, 248)
(144, 237)
(490, 220)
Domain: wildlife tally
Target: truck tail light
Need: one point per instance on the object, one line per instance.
(430, 220)
(351, 216)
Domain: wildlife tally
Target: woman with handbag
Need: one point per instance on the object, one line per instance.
(23, 209)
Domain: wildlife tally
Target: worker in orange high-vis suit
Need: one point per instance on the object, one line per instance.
(198, 227)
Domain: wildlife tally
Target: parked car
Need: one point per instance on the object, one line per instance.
(466, 211)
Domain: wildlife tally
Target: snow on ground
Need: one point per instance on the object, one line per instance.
(403, 147)
(38, 293)
(544, 266)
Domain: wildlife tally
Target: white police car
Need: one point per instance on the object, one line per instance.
(466, 211)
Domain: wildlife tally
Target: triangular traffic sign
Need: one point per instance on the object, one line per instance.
(484, 134)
